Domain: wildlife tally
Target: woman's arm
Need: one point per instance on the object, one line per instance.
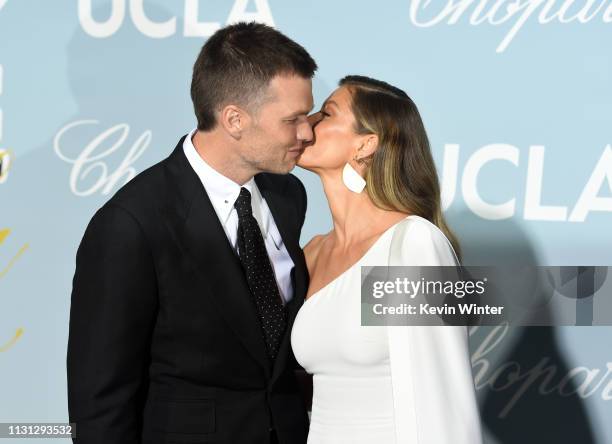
(433, 386)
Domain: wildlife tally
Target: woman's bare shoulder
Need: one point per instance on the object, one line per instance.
(311, 249)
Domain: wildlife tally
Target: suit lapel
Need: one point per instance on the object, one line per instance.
(282, 209)
(201, 235)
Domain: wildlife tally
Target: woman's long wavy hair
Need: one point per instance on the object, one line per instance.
(401, 174)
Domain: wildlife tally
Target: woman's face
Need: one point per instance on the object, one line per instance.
(335, 141)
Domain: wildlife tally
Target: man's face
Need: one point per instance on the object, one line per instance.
(280, 127)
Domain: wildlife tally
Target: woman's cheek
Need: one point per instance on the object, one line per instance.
(322, 132)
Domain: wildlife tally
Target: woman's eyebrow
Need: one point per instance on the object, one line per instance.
(330, 102)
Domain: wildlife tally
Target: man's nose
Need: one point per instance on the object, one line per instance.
(305, 133)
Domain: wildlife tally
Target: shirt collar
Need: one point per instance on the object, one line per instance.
(223, 191)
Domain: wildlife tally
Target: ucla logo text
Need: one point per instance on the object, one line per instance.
(192, 27)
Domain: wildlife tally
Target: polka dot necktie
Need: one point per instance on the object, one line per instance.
(260, 275)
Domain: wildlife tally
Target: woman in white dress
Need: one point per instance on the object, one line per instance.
(378, 384)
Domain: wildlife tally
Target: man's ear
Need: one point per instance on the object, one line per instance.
(234, 120)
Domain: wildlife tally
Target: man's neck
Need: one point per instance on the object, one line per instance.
(213, 148)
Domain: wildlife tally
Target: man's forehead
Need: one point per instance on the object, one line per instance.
(291, 84)
(294, 92)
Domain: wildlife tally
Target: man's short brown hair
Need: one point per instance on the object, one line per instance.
(237, 64)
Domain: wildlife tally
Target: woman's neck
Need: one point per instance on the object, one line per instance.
(355, 217)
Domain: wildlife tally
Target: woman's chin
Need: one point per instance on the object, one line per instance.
(304, 166)
(304, 163)
(310, 161)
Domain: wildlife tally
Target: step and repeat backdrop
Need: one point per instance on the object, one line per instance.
(516, 96)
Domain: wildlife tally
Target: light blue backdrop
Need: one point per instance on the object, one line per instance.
(516, 97)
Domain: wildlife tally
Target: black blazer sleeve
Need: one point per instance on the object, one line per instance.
(113, 309)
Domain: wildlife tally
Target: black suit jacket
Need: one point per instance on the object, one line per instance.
(165, 344)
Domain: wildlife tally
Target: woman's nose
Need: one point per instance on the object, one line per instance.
(315, 118)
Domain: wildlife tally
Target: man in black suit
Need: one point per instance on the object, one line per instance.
(188, 280)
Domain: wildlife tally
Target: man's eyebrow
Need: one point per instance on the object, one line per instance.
(302, 112)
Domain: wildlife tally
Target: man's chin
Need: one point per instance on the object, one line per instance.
(289, 167)
(285, 168)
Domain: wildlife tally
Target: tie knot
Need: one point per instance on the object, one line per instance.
(243, 203)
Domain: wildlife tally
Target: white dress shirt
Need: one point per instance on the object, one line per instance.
(222, 193)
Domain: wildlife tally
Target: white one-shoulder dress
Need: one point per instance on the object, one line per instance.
(402, 385)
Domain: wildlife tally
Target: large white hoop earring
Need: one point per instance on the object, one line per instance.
(352, 179)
